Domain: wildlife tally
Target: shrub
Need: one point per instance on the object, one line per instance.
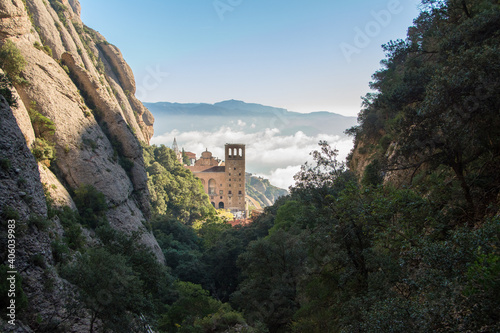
(47, 50)
(41, 222)
(92, 205)
(72, 230)
(10, 213)
(38, 260)
(373, 174)
(60, 251)
(43, 151)
(5, 90)
(5, 164)
(43, 126)
(126, 164)
(12, 61)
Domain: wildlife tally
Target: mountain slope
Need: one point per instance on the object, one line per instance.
(72, 102)
(262, 191)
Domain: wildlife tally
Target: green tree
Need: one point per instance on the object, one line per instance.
(12, 61)
(272, 268)
(436, 97)
(92, 205)
(195, 311)
(175, 191)
(108, 287)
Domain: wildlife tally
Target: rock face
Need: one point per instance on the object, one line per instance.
(13, 19)
(84, 86)
(262, 191)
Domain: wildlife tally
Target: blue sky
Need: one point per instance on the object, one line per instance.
(301, 55)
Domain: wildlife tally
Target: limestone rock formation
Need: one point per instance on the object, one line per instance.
(21, 187)
(13, 19)
(82, 84)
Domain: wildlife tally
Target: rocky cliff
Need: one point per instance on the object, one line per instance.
(261, 190)
(76, 81)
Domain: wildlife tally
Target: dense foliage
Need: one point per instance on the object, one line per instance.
(12, 61)
(437, 101)
(346, 258)
(174, 189)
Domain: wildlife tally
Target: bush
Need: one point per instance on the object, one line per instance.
(43, 126)
(10, 213)
(5, 164)
(5, 90)
(41, 222)
(92, 206)
(72, 229)
(44, 151)
(60, 251)
(12, 61)
(373, 174)
(38, 260)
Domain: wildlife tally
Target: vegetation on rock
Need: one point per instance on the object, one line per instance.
(12, 61)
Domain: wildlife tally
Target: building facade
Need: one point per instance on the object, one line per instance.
(224, 181)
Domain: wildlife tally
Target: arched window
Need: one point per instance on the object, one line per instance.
(211, 186)
(213, 204)
(221, 205)
(241, 152)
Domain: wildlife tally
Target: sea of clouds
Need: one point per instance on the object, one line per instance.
(269, 153)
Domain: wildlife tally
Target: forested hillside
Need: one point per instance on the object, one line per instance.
(407, 238)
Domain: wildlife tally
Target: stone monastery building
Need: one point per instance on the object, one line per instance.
(223, 181)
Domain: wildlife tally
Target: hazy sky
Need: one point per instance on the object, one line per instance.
(300, 55)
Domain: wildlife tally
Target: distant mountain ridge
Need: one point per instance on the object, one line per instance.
(229, 107)
(177, 116)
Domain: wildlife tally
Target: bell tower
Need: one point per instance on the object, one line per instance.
(235, 178)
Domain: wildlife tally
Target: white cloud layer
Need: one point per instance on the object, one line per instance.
(268, 153)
